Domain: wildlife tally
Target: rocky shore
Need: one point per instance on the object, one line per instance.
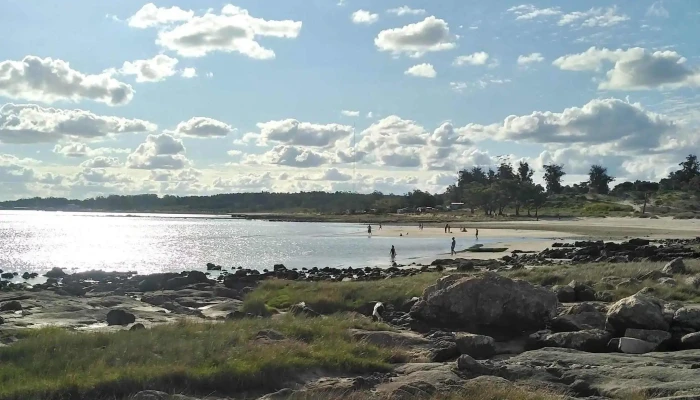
(473, 323)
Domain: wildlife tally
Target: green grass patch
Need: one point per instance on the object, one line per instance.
(197, 358)
(333, 297)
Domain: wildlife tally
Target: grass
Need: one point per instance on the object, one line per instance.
(197, 358)
(593, 274)
(332, 297)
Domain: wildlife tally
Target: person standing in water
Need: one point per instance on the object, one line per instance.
(369, 230)
(392, 253)
(454, 243)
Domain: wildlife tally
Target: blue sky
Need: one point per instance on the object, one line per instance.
(186, 97)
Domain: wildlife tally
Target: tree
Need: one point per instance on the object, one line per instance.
(690, 168)
(505, 172)
(535, 197)
(552, 177)
(599, 180)
(525, 172)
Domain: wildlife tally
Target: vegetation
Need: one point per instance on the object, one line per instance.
(505, 191)
(197, 357)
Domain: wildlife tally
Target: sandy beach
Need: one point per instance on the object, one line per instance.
(539, 235)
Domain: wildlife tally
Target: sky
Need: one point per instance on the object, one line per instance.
(189, 97)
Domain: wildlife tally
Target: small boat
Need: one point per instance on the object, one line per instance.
(479, 248)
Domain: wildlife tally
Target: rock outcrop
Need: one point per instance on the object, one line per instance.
(637, 312)
(487, 304)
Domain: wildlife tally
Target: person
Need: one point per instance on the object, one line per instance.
(477, 233)
(393, 253)
(446, 226)
(369, 230)
(380, 226)
(454, 243)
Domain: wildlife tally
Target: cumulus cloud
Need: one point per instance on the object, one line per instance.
(628, 126)
(296, 133)
(364, 17)
(634, 69)
(479, 58)
(155, 69)
(202, 127)
(422, 71)
(151, 16)
(482, 83)
(406, 10)
(350, 113)
(233, 30)
(429, 35)
(244, 183)
(291, 156)
(189, 73)
(50, 80)
(159, 152)
(102, 162)
(28, 123)
(530, 59)
(657, 9)
(78, 150)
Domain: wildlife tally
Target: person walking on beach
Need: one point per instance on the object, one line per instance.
(369, 230)
(454, 243)
(446, 226)
(392, 253)
(477, 233)
(380, 226)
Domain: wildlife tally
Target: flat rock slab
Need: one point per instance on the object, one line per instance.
(612, 375)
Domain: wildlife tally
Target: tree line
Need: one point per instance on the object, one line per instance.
(490, 190)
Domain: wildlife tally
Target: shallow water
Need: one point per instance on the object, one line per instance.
(38, 241)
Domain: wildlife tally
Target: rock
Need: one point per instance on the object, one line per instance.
(605, 297)
(477, 346)
(467, 363)
(270, 334)
(413, 391)
(487, 304)
(638, 312)
(675, 267)
(13, 305)
(283, 394)
(408, 304)
(55, 273)
(465, 266)
(443, 350)
(7, 275)
(565, 294)
(580, 321)
(691, 341)
(227, 293)
(591, 341)
(389, 339)
(213, 267)
(2, 320)
(303, 309)
(651, 336)
(667, 281)
(149, 285)
(693, 281)
(582, 292)
(120, 317)
(636, 346)
(687, 317)
(176, 283)
(137, 327)
(614, 345)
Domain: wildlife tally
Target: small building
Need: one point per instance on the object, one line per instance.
(456, 206)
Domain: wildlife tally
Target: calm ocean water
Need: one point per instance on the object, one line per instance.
(38, 241)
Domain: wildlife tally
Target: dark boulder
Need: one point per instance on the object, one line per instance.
(120, 317)
(55, 273)
(13, 305)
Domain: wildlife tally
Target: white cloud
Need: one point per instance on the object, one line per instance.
(155, 69)
(291, 156)
(479, 58)
(79, 150)
(349, 113)
(422, 71)
(406, 10)
(530, 59)
(595, 17)
(50, 80)
(234, 30)
(159, 152)
(189, 73)
(202, 127)
(210, 74)
(28, 123)
(364, 17)
(150, 16)
(459, 86)
(620, 125)
(429, 35)
(657, 9)
(102, 162)
(634, 69)
(370, 114)
(482, 83)
(529, 11)
(293, 132)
